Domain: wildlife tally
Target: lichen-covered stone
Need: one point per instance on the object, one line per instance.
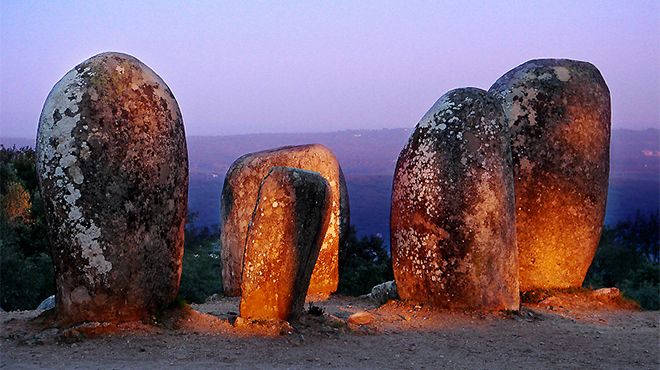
(113, 170)
(239, 195)
(283, 242)
(559, 122)
(47, 304)
(383, 292)
(452, 220)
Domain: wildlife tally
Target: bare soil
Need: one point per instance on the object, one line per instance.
(571, 330)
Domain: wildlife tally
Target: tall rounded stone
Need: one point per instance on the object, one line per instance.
(113, 170)
(283, 242)
(239, 196)
(452, 220)
(559, 120)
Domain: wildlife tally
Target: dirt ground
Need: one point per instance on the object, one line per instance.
(571, 330)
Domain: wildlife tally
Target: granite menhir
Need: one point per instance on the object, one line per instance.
(239, 196)
(283, 242)
(559, 121)
(113, 170)
(452, 220)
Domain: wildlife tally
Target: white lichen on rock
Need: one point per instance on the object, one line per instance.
(58, 160)
(452, 214)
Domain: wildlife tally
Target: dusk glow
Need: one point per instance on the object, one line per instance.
(255, 184)
(312, 66)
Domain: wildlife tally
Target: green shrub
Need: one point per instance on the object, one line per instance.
(26, 269)
(366, 264)
(201, 275)
(627, 258)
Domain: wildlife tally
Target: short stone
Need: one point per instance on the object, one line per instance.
(607, 292)
(452, 220)
(558, 113)
(384, 292)
(239, 195)
(47, 304)
(284, 238)
(113, 172)
(361, 318)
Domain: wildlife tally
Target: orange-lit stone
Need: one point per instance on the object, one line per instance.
(239, 195)
(113, 171)
(283, 242)
(559, 120)
(452, 221)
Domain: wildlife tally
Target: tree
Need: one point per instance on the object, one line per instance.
(627, 258)
(26, 269)
(201, 276)
(367, 263)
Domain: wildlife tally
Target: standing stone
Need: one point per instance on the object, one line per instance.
(113, 170)
(452, 220)
(283, 242)
(239, 195)
(559, 122)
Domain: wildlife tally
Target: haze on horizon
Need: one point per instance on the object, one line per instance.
(305, 66)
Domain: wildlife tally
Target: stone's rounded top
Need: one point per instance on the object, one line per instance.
(245, 159)
(105, 78)
(131, 68)
(298, 175)
(101, 57)
(293, 170)
(110, 60)
(101, 94)
(550, 72)
(447, 111)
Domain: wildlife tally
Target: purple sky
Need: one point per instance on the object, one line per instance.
(242, 67)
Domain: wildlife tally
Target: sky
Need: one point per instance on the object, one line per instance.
(308, 66)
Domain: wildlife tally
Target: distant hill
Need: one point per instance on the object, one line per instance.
(368, 158)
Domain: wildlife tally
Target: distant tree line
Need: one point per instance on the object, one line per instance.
(628, 256)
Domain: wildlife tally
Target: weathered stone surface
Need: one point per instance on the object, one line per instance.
(452, 220)
(47, 304)
(239, 195)
(607, 292)
(283, 243)
(382, 293)
(361, 318)
(113, 170)
(559, 122)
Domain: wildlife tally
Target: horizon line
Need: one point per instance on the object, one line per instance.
(325, 132)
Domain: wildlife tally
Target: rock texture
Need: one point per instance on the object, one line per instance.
(47, 304)
(239, 195)
(361, 318)
(382, 293)
(452, 220)
(113, 170)
(283, 242)
(559, 121)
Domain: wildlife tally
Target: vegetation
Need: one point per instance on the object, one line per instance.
(366, 264)
(627, 258)
(26, 269)
(201, 276)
